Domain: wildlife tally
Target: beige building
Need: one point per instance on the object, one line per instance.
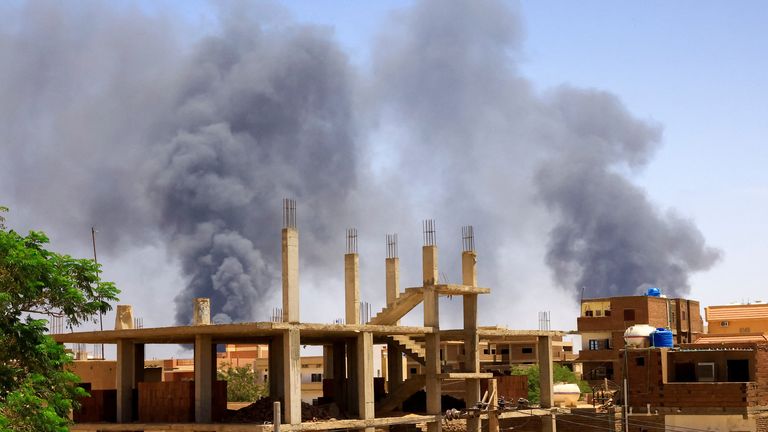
(737, 319)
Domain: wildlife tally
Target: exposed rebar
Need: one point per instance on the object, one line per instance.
(289, 213)
(430, 236)
(468, 238)
(351, 240)
(392, 245)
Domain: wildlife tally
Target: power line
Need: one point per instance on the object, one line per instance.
(640, 423)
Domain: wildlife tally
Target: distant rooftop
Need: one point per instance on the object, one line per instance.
(736, 312)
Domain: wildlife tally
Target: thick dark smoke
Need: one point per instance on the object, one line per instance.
(609, 238)
(261, 114)
(115, 118)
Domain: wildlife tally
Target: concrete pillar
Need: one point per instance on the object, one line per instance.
(352, 288)
(123, 317)
(546, 371)
(365, 402)
(201, 311)
(292, 376)
(124, 380)
(493, 406)
(204, 369)
(471, 340)
(432, 340)
(429, 265)
(276, 366)
(394, 354)
(392, 275)
(290, 246)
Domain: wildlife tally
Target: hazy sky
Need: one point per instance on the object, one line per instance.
(696, 68)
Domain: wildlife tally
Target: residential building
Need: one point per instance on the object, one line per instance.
(737, 319)
(603, 321)
(699, 386)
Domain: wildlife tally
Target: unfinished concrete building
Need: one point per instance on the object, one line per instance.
(348, 353)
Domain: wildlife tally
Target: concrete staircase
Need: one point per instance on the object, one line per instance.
(404, 391)
(410, 347)
(404, 304)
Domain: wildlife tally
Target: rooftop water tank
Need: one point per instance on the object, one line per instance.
(566, 393)
(662, 338)
(638, 335)
(653, 292)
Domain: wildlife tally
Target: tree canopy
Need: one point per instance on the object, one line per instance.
(36, 392)
(560, 374)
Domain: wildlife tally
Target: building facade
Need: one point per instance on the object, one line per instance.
(603, 321)
(737, 319)
(708, 386)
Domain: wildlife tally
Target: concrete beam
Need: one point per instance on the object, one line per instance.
(204, 370)
(292, 376)
(290, 249)
(546, 371)
(365, 401)
(352, 288)
(124, 380)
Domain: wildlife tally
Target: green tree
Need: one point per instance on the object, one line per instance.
(36, 392)
(560, 374)
(242, 384)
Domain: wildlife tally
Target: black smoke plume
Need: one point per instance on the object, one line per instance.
(118, 118)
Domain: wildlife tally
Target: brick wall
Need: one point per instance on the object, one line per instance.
(646, 381)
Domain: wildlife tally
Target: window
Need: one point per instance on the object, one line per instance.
(682, 315)
(594, 345)
(527, 350)
(639, 361)
(705, 371)
(316, 377)
(493, 351)
(629, 314)
(505, 350)
(607, 344)
(485, 351)
(744, 330)
(723, 323)
(588, 313)
(413, 371)
(598, 313)
(673, 317)
(607, 313)
(737, 370)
